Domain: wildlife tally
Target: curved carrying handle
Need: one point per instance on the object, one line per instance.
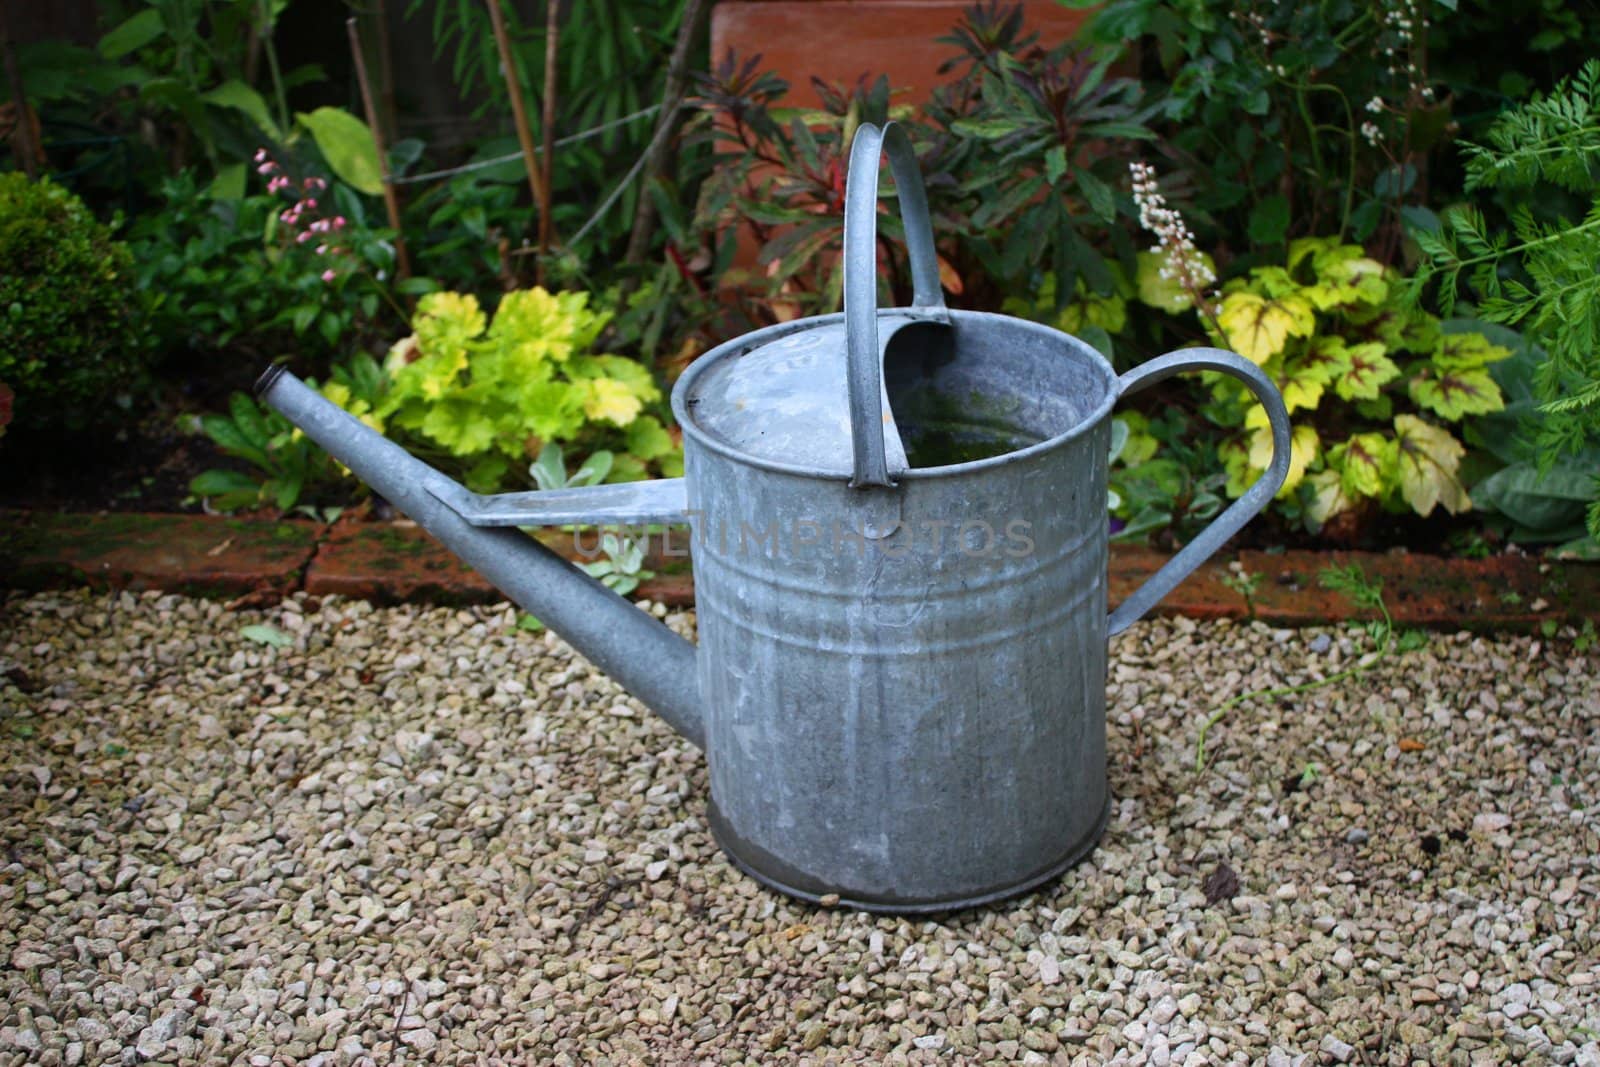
(1240, 511)
(865, 374)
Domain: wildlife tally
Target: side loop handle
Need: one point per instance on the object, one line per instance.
(864, 370)
(1241, 511)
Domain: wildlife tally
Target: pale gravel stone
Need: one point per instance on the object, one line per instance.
(423, 835)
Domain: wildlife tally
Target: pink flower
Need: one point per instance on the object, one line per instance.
(310, 203)
(321, 249)
(280, 182)
(287, 216)
(261, 155)
(338, 222)
(328, 275)
(267, 167)
(302, 237)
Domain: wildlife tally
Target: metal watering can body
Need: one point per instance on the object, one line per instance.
(899, 544)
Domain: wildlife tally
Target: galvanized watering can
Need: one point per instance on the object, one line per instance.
(899, 543)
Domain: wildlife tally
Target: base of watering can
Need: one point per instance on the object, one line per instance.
(774, 873)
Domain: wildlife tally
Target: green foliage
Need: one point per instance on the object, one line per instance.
(1292, 119)
(1529, 504)
(190, 61)
(1156, 492)
(491, 395)
(611, 63)
(71, 320)
(1370, 383)
(623, 568)
(1021, 152)
(230, 274)
(288, 468)
(1542, 277)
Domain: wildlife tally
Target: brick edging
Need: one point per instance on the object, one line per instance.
(264, 559)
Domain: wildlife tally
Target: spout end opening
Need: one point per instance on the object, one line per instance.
(268, 379)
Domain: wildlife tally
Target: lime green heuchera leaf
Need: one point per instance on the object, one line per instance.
(1235, 456)
(1258, 327)
(1300, 391)
(536, 325)
(1345, 276)
(1141, 445)
(1366, 370)
(631, 373)
(1273, 282)
(1302, 247)
(1304, 447)
(1365, 464)
(1428, 459)
(1162, 292)
(458, 425)
(610, 400)
(1467, 351)
(1326, 498)
(1457, 393)
(1110, 313)
(552, 410)
(647, 438)
(1399, 328)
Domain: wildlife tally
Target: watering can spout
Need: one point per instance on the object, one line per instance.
(651, 661)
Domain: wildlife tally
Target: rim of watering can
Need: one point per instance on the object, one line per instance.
(766, 334)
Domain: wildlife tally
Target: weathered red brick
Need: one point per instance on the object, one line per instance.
(203, 555)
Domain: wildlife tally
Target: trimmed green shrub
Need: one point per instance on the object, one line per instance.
(70, 328)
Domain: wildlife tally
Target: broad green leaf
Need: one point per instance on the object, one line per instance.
(229, 184)
(1365, 464)
(1304, 447)
(1457, 393)
(1428, 460)
(1098, 194)
(132, 34)
(1466, 351)
(266, 635)
(1327, 497)
(224, 483)
(1235, 456)
(594, 469)
(347, 144)
(1055, 164)
(1159, 291)
(610, 400)
(647, 439)
(240, 97)
(986, 129)
(1549, 505)
(458, 425)
(232, 440)
(549, 470)
(1365, 371)
(1303, 391)
(1258, 327)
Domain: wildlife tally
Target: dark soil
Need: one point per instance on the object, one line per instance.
(146, 468)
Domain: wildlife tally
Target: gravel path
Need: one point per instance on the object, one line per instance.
(424, 836)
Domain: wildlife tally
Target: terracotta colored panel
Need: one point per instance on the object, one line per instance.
(840, 40)
(203, 555)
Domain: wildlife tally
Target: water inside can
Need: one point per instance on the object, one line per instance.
(942, 421)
